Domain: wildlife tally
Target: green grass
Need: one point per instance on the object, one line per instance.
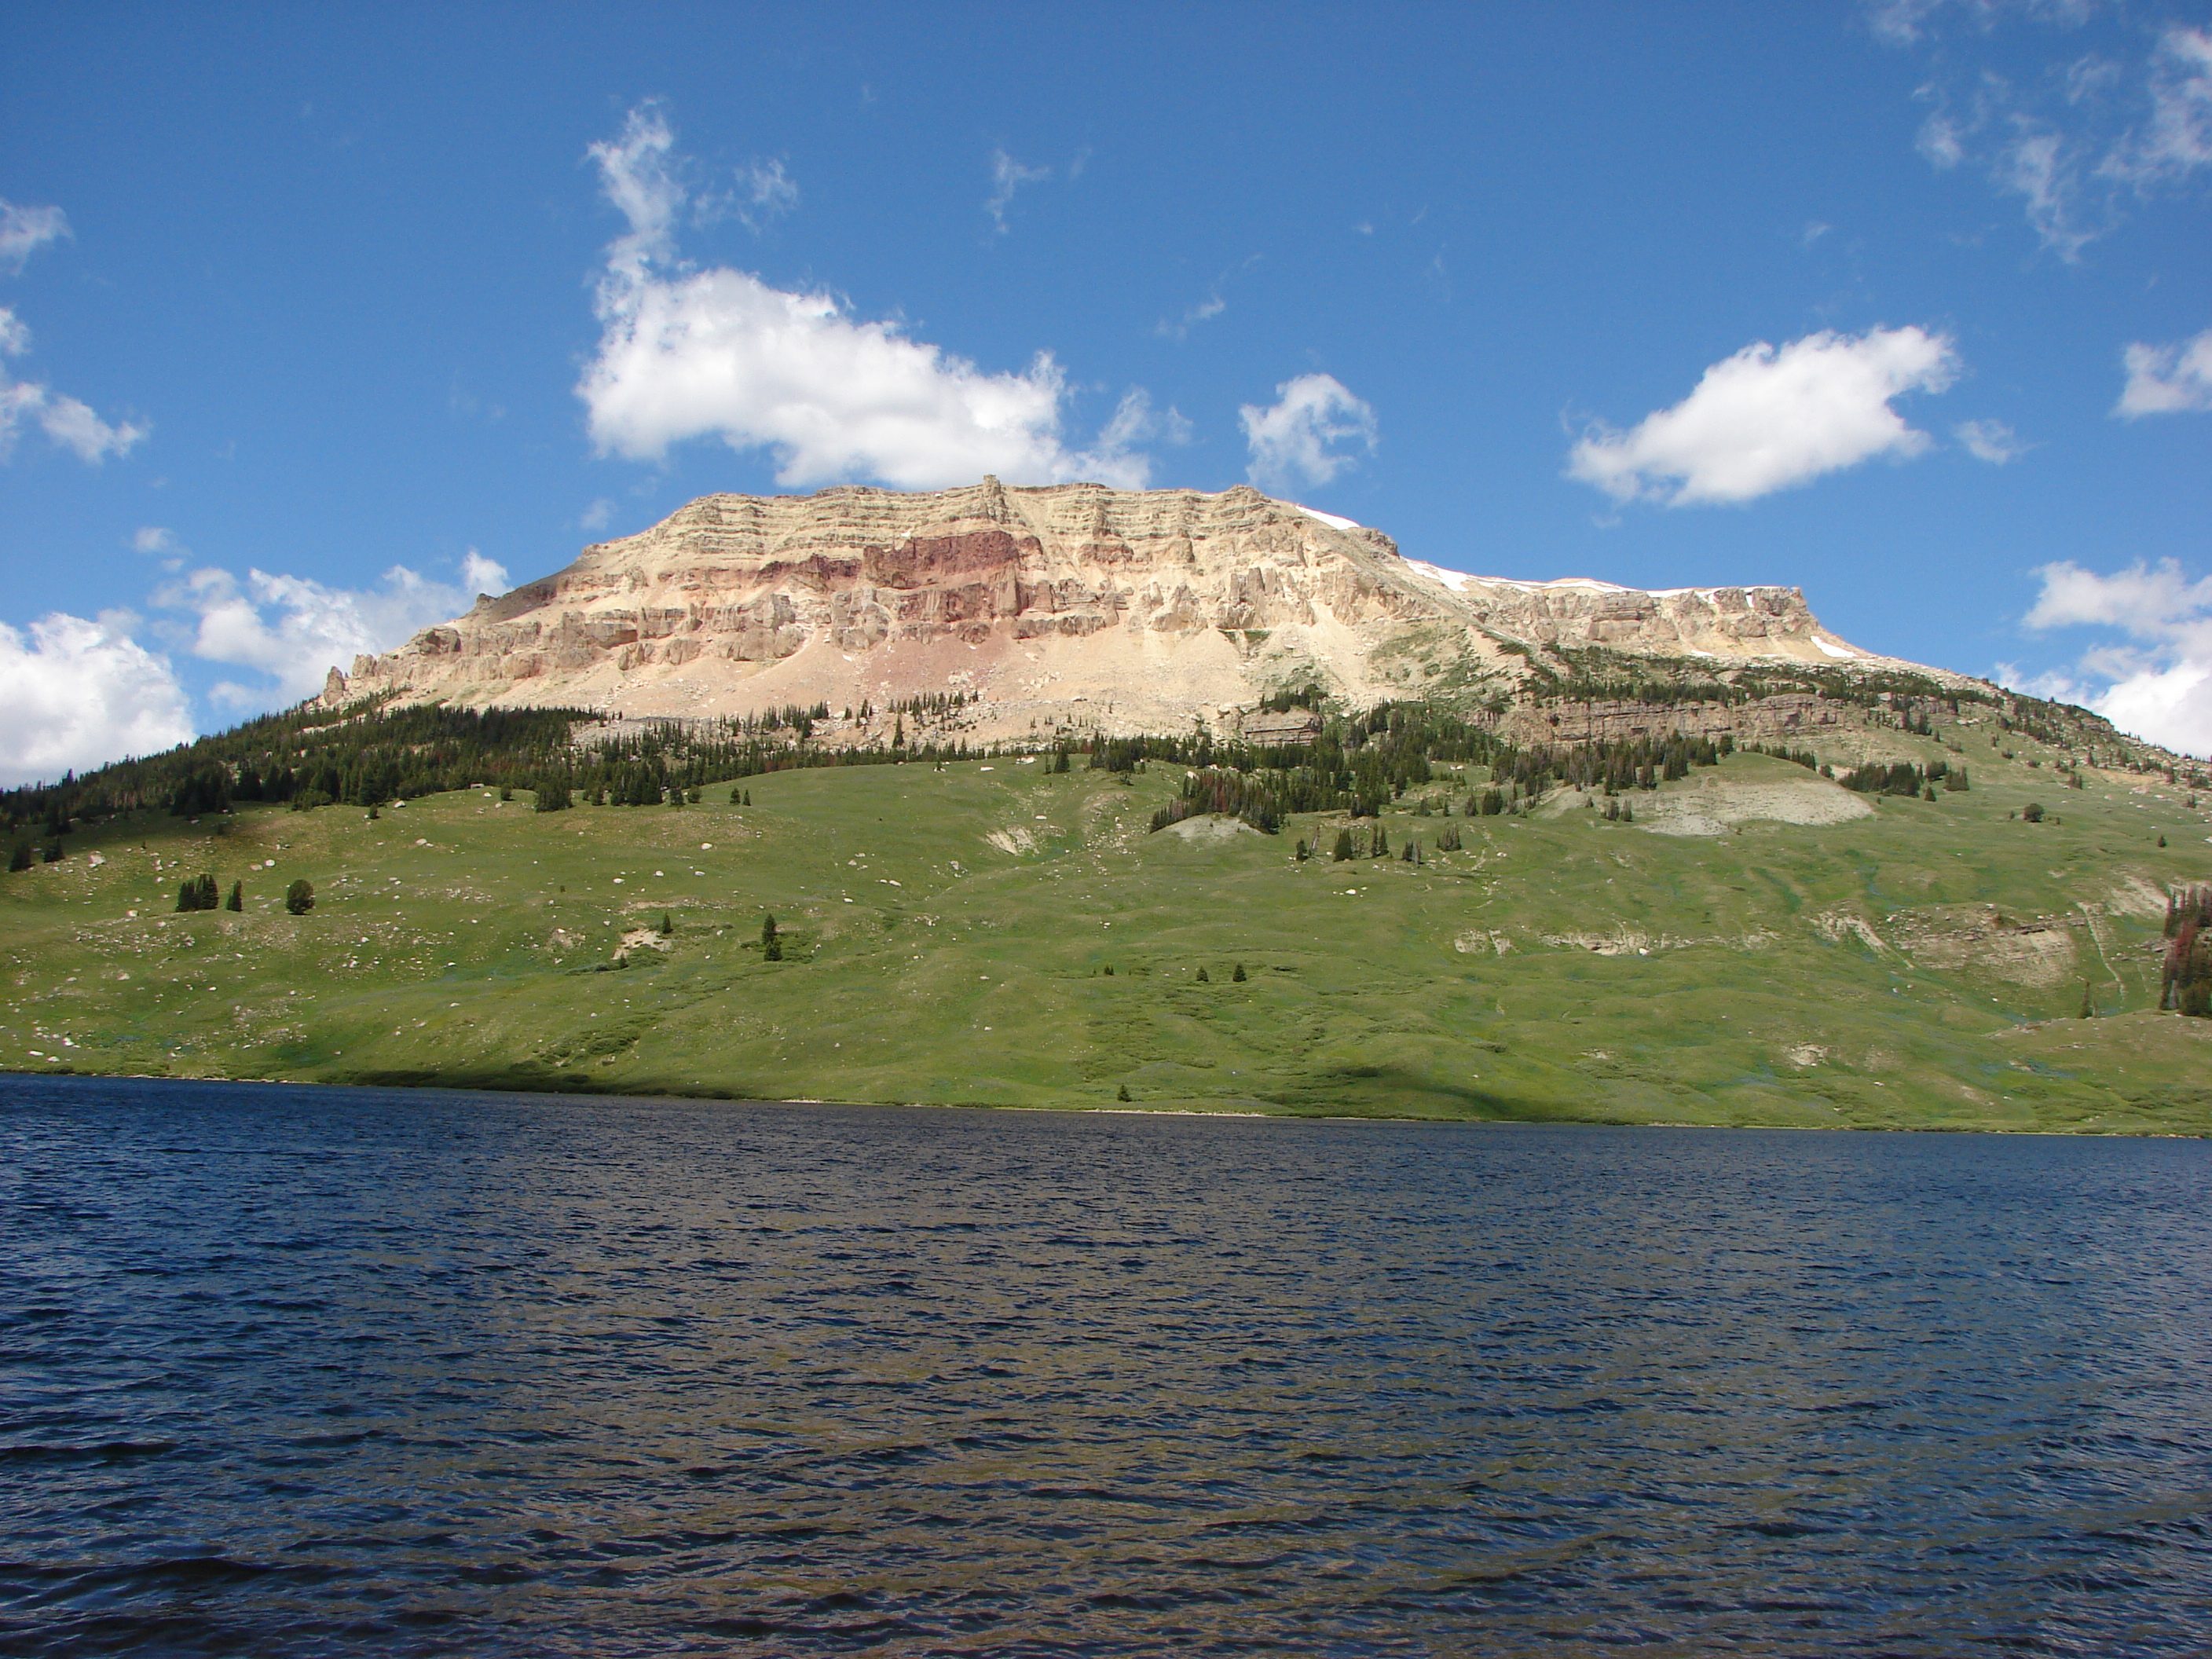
(459, 941)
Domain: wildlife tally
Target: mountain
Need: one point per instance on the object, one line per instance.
(1078, 606)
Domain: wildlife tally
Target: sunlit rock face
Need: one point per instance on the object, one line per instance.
(1068, 604)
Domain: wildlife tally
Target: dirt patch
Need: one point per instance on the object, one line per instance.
(1211, 828)
(1977, 938)
(1708, 803)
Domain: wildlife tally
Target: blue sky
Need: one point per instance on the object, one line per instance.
(318, 319)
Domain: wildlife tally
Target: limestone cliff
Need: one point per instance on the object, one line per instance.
(1071, 604)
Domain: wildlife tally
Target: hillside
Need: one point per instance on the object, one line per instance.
(1756, 945)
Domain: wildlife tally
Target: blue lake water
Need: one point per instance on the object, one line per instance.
(324, 1371)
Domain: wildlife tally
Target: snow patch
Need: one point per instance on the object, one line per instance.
(1835, 650)
(1328, 519)
(1455, 580)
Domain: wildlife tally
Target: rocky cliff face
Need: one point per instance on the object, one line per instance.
(1071, 603)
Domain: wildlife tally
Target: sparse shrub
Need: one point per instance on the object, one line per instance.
(2032, 812)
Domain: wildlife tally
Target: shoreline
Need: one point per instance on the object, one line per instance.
(1118, 1109)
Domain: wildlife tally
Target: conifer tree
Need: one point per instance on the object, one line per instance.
(768, 931)
(20, 858)
(1343, 850)
(1380, 849)
(1203, 977)
(667, 927)
(237, 899)
(1122, 1093)
(1238, 976)
(737, 796)
(300, 897)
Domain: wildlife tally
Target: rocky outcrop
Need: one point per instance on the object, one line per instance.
(1068, 604)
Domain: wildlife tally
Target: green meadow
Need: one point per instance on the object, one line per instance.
(992, 933)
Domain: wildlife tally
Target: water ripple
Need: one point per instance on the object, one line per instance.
(305, 1371)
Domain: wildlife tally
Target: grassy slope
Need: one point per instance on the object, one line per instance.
(454, 940)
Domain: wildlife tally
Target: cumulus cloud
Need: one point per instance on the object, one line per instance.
(1007, 176)
(2167, 380)
(2082, 140)
(1990, 441)
(686, 353)
(25, 230)
(81, 693)
(2153, 678)
(1315, 429)
(292, 630)
(1770, 418)
(67, 422)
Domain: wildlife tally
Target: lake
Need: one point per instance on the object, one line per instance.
(300, 1370)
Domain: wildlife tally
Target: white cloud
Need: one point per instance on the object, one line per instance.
(1990, 441)
(762, 192)
(2167, 380)
(65, 420)
(686, 353)
(2155, 681)
(480, 576)
(597, 515)
(1204, 312)
(1007, 176)
(25, 230)
(1768, 419)
(2177, 138)
(292, 629)
(80, 694)
(2078, 140)
(75, 427)
(1294, 440)
(160, 543)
